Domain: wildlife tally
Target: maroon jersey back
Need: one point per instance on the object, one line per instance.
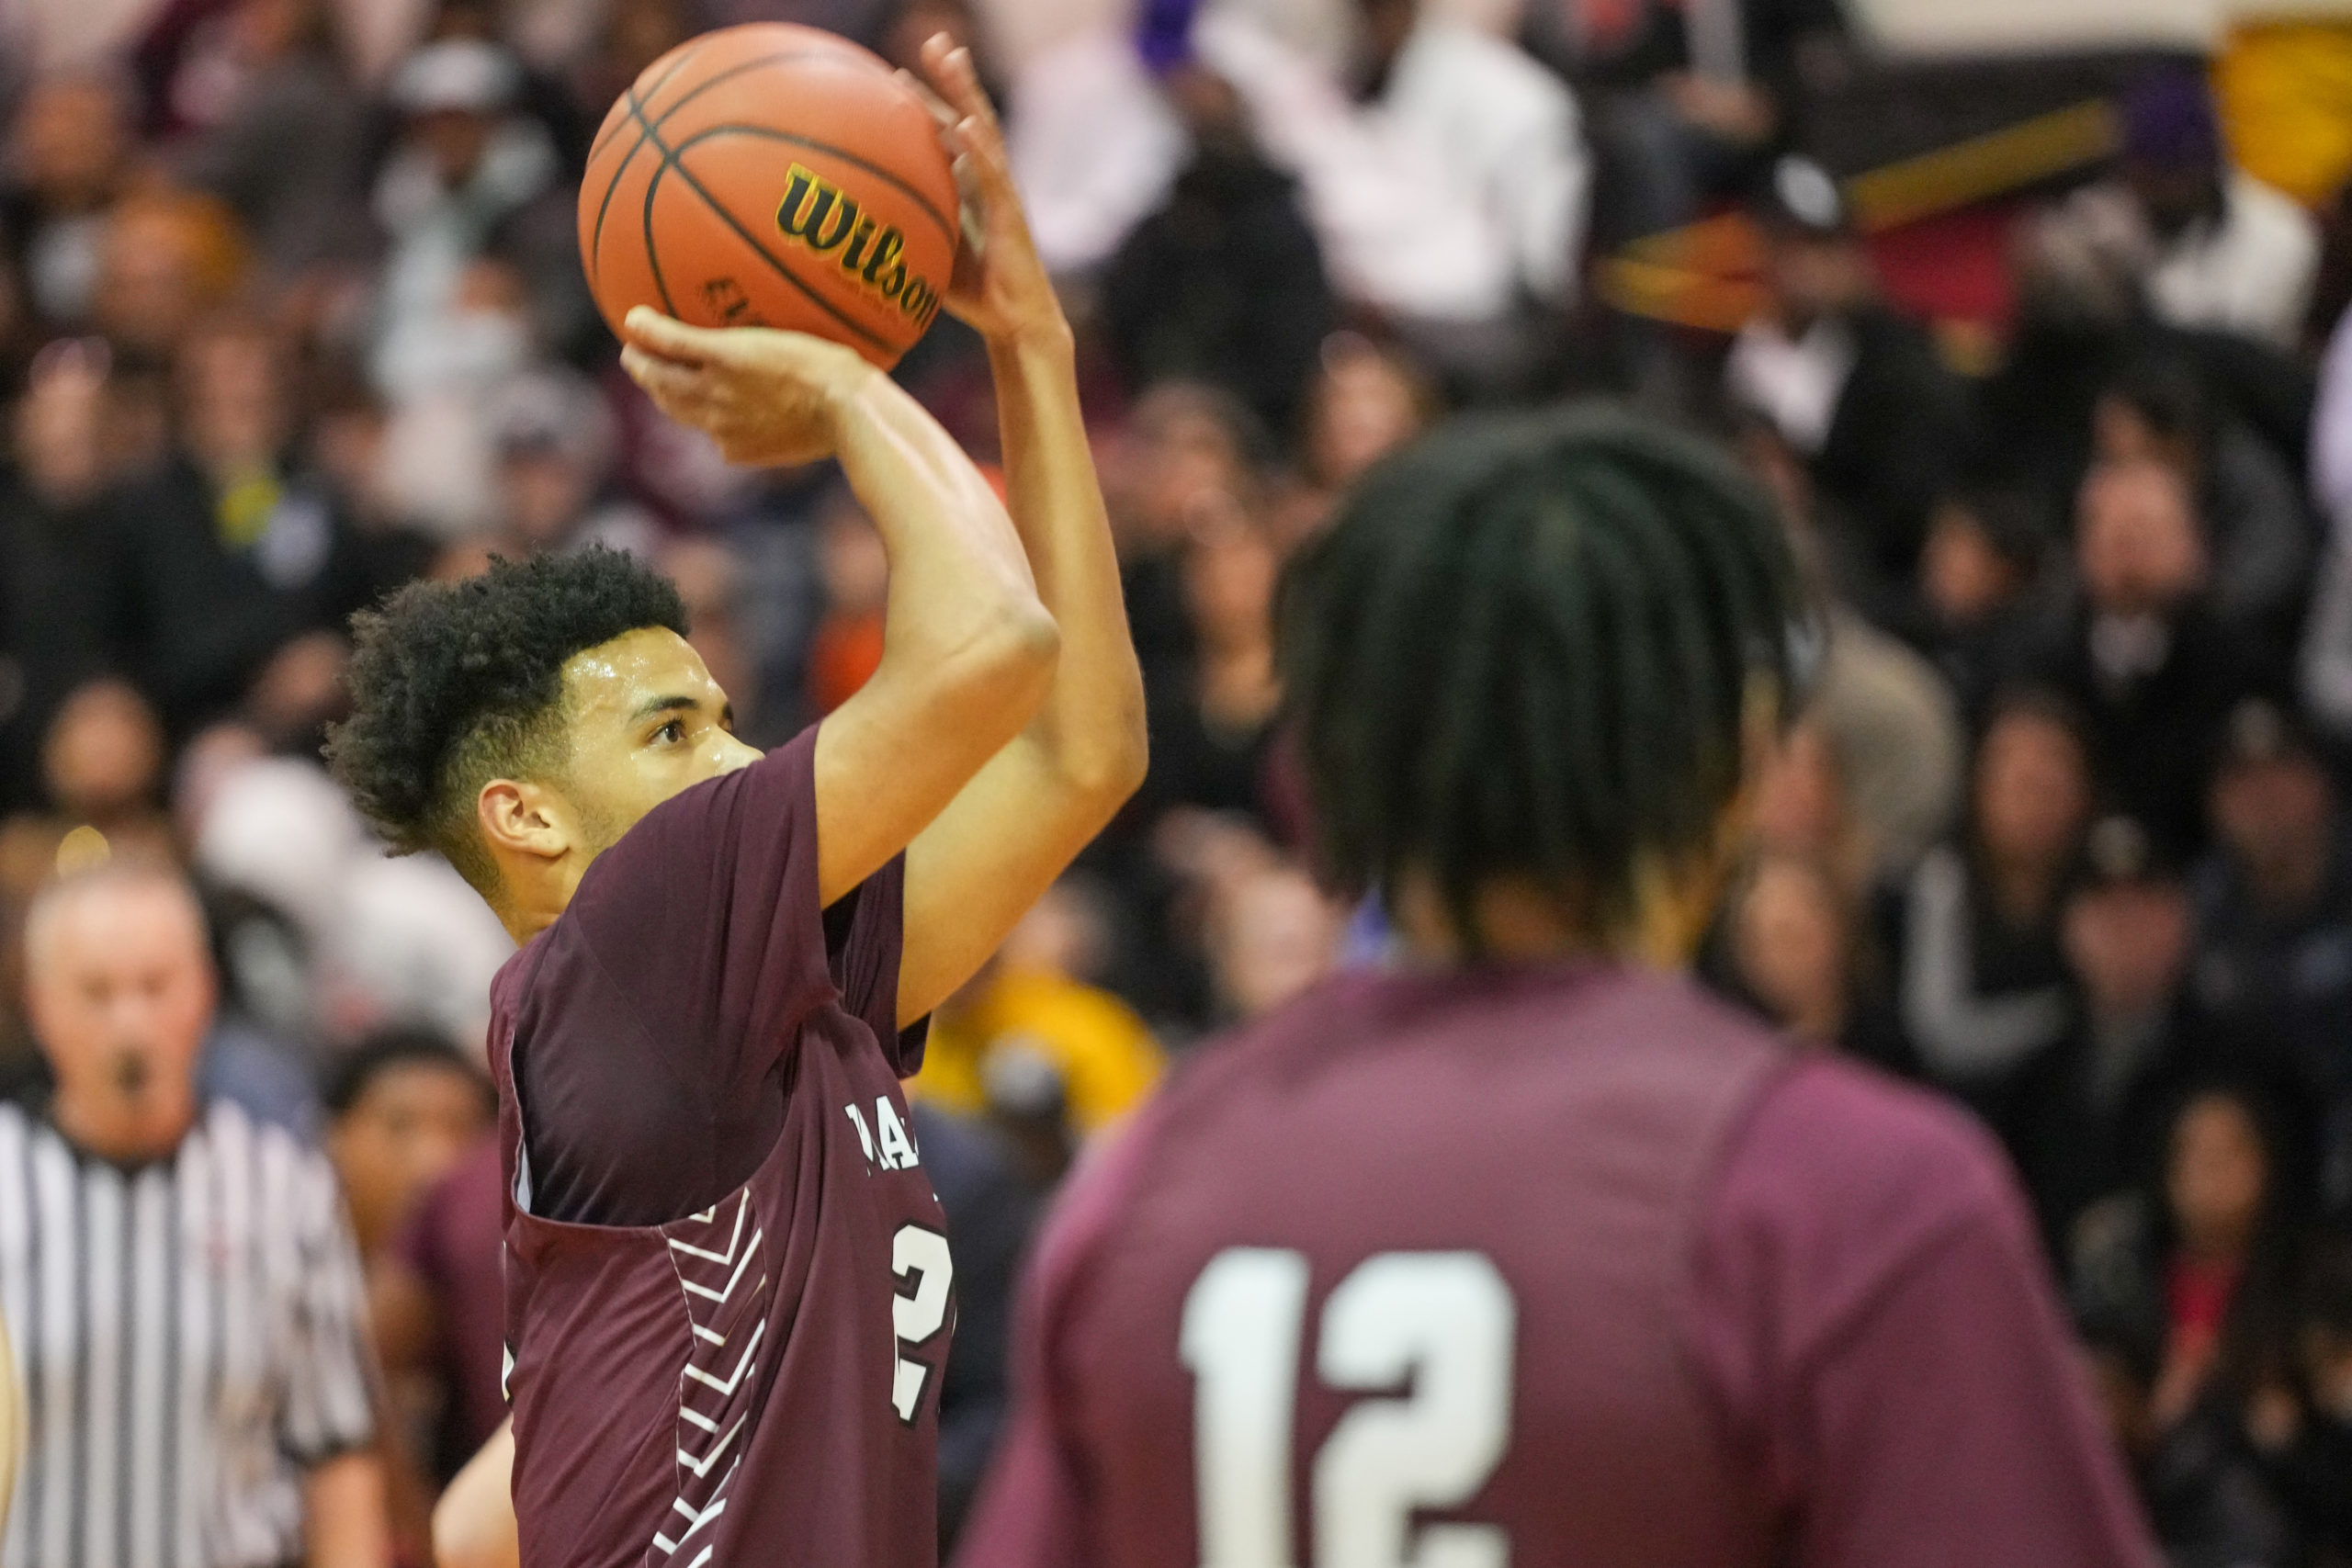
(1440, 1269)
(753, 1380)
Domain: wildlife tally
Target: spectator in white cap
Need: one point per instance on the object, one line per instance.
(466, 167)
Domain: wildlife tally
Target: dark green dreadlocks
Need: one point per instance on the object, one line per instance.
(1531, 647)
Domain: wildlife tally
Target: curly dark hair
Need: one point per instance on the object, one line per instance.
(453, 684)
(1531, 646)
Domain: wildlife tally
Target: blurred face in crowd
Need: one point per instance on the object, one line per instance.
(2218, 1177)
(1276, 936)
(2127, 942)
(1182, 456)
(455, 139)
(166, 260)
(414, 1120)
(2032, 790)
(1964, 578)
(72, 138)
(234, 399)
(1229, 573)
(104, 753)
(119, 989)
(2276, 816)
(543, 491)
(1789, 940)
(2138, 546)
(1367, 405)
(61, 423)
(1799, 801)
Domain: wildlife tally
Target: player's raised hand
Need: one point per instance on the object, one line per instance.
(1001, 285)
(767, 398)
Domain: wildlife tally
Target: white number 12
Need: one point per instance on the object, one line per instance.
(1443, 1320)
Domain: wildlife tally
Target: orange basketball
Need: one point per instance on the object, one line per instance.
(772, 175)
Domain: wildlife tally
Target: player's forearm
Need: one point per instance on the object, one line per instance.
(473, 1525)
(347, 1526)
(961, 594)
(1091, 730)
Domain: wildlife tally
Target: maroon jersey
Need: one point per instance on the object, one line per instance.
(1545, 1266)
(727, 1288)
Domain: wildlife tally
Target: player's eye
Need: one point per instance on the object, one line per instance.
(672, 732)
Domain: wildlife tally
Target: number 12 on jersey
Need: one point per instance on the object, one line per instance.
(1443, 1323)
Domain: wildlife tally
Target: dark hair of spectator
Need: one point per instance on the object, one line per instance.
(1533, 646)
(2257, 1333)
(2015, 522)
(386, 1049)
(2169, 400)
(2037, 703)
(453, 684)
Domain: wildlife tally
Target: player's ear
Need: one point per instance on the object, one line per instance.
(522, 818)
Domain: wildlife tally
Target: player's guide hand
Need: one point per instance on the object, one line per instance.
(767, 398)
(1000, 287)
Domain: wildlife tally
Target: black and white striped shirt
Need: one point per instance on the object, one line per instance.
(192, 1340)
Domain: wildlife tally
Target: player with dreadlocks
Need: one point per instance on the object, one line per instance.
(1523, 1251)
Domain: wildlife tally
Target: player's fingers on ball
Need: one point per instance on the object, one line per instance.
(649, 328)
(991, 167)
(976, 101)
(941, 110)
(958, 79)
(679, 391)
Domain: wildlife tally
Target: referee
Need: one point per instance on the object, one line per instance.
(179, 1280)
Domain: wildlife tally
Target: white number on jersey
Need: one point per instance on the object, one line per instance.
(917, 1317)
(1441, 1323)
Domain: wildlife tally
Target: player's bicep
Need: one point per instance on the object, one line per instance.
(888, 762)
(980, 866)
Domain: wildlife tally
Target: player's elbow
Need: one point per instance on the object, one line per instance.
(1009, 667)
(1108, 764)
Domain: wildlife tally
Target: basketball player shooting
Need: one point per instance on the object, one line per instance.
(729, 1292)
(1525, 1252)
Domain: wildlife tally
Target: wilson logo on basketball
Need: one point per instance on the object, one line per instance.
(826, 219)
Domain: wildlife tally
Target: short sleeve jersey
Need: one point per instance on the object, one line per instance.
(727, 1288)
(1544, 1267)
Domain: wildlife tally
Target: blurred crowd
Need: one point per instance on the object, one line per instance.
(290, 313)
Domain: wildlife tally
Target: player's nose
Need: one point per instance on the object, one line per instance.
(733, 753)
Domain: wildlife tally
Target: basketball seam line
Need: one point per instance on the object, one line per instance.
(596, 239)
(653, 187)
(829, 150)
(670, 162)
(662, 80)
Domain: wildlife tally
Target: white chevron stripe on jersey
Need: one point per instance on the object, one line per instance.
(750, 1252)
(713, 1255)
(725, 1260)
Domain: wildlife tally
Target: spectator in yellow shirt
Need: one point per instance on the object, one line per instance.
(1027, 1000)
